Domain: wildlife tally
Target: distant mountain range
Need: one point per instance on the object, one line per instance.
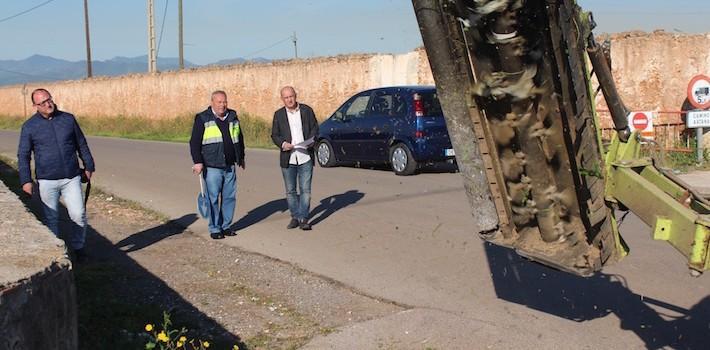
(46, 68)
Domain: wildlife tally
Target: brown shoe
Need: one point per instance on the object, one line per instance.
(292, 224)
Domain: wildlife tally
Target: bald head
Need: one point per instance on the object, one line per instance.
(288, 96)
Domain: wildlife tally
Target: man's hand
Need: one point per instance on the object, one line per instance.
(286, 146)
(243, 165)
(88, 174)
(27, 188)
(197, 168)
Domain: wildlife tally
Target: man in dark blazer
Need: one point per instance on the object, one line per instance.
(294, 130)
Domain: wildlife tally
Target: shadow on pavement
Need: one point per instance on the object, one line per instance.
(583, 299)
(260, 213)
(153, 235)
(330, 205)
(116, 296)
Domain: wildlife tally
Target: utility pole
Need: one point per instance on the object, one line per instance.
(89, 74)
(181, 60)
(295, 47)
(152, 60)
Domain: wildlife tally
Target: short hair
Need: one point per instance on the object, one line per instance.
(289, 87)
(218, 92)
(32, 95)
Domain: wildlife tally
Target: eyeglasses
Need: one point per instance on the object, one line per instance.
(45, 103)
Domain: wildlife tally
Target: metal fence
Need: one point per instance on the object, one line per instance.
(669, 130)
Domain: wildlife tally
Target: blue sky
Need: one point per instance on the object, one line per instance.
(220, 29)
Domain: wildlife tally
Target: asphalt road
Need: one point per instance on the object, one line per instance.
(412, 241)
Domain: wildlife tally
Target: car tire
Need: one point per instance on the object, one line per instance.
(401, 160)
(325, 155)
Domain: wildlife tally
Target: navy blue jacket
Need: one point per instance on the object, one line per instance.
(218, 157)
(55, 143)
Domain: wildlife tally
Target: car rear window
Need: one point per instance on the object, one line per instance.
(431, 104)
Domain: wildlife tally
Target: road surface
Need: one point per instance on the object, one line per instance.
(412, 241)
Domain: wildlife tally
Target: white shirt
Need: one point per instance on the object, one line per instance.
(298, 155)
(218, 117)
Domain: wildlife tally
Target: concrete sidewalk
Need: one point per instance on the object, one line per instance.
(700, 180)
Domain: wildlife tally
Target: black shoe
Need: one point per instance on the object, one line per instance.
(217, 235)
(229, 232)
(292, 224)
(304, 225)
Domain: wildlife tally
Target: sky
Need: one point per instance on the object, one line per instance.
(222, 29)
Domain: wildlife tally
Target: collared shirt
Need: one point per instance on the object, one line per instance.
(222, 118)
(298, 155)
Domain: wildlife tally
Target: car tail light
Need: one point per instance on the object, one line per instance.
(419, 134)
(418, 105)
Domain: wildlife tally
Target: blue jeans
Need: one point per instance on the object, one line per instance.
(221, 183)
(298, 203)
(70, 192)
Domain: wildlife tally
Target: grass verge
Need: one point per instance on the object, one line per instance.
(257, 131)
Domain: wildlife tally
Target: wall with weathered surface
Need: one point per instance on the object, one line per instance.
(37, 293)
(652, 70)
(323, 83)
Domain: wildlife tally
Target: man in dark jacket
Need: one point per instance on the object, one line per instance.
(217, 143)
(57, 142)
(294, 129)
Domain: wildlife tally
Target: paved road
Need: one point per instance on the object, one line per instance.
(411, 240)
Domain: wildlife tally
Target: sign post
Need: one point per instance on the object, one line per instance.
(699, 97)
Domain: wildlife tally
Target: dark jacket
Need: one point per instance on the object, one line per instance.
(213, 155)
(281, 131)
(55, 143)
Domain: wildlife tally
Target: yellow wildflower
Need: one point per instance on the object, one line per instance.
(163, 337)
(183, 339)
(180, 344)
(148, 327)
(235, 347)
(206, 344)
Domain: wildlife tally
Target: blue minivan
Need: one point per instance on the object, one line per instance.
(401, 126)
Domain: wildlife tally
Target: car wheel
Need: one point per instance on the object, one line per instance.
(401, 160)
(324, 154)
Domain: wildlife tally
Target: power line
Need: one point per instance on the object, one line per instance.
(270, 46)
(162, 26)
(30, 75)
(25, 11)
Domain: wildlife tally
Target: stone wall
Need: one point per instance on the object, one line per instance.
(652, 71)
(323, 83)
(37, 292)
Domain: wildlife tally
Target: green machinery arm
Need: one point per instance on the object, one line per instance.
(675, 211)
(516, 91)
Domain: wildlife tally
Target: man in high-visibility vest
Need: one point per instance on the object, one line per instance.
(216, 145)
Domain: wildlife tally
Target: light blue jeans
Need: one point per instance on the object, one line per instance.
(298, 203)
(69, 190)
(221, 183)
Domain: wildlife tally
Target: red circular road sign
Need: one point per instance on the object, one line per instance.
(639, 121)
(699, 92)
